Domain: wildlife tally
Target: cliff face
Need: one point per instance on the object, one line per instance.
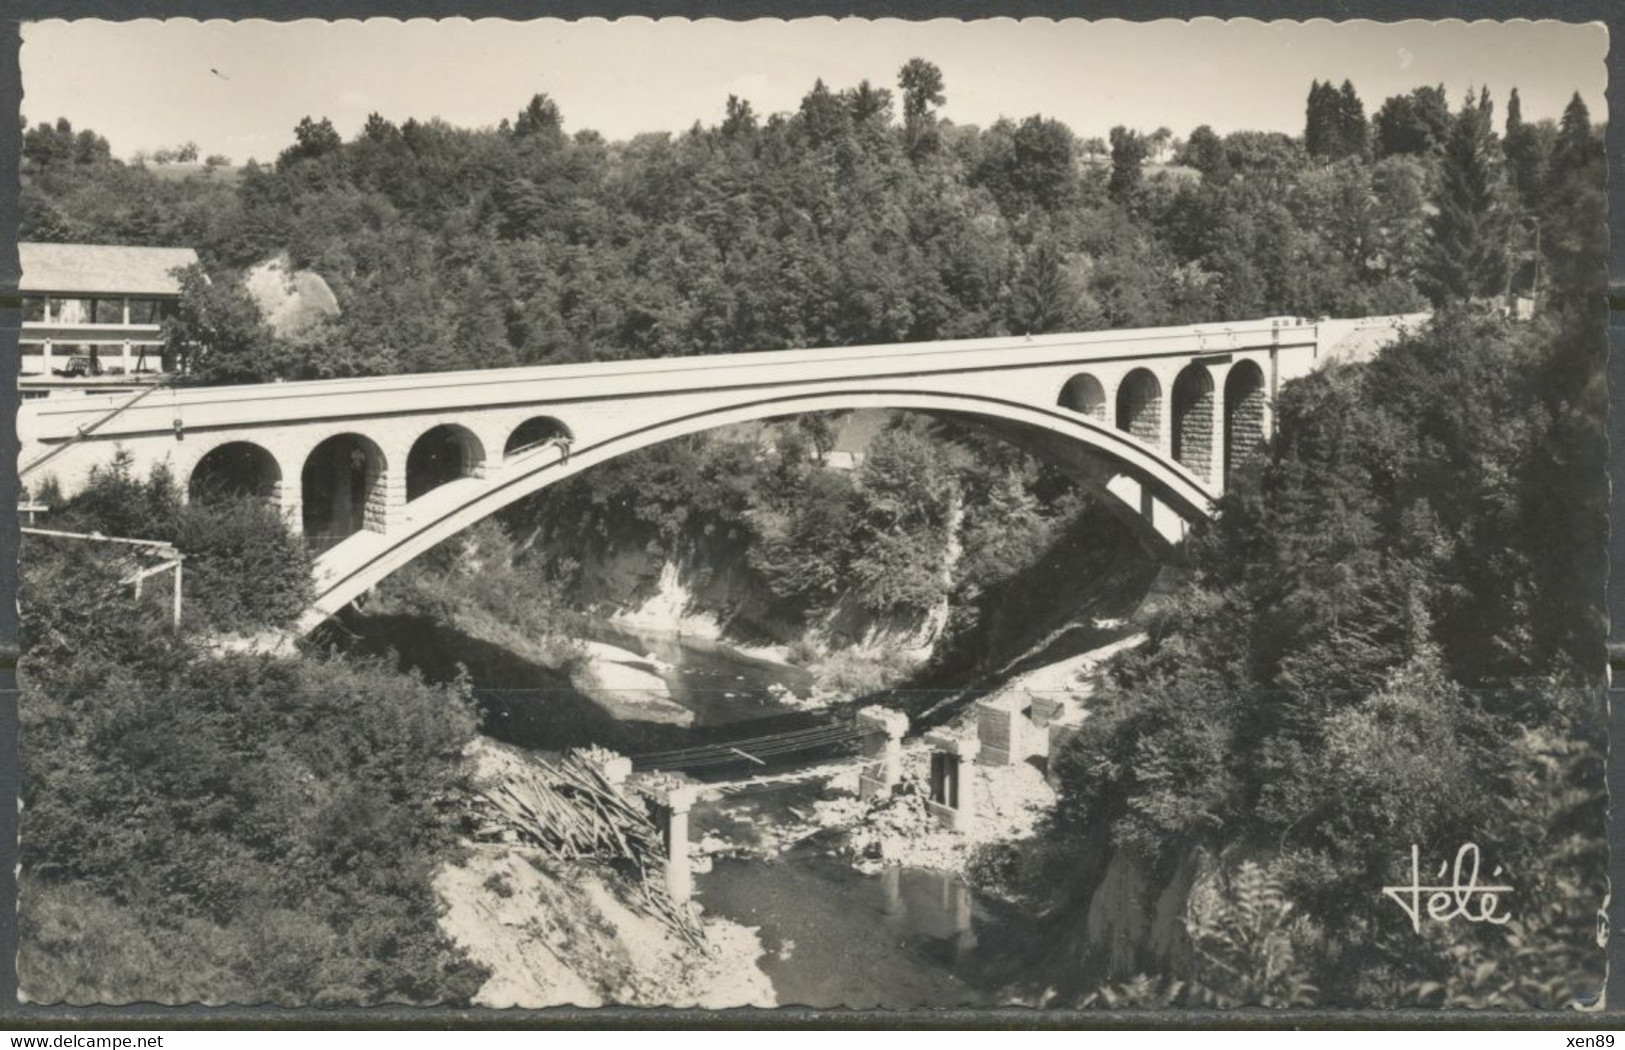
(713, 595)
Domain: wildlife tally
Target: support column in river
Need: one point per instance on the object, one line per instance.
(671, 803)
(953, 798)
(883, 730)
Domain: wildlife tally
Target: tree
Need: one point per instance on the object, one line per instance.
(1334, 124)
(218, 335)
(740, 119)
(1128, 154)
(1321, 124)
(48, 146)
(1039, 166)
(1526, 150)
(540, 119)
(1158, 141)
(378, 129)
(922, 87)
(1417, 123)
(869, 104)
(1040, 296)
(1468, 256)
(822, 117)
(1575, 146)
(312, 140)
(1204, 151)
(91, 148)
(1351, 123)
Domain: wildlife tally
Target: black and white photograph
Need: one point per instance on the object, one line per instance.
(1074, 515)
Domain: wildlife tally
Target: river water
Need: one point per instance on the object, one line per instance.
(832, 936)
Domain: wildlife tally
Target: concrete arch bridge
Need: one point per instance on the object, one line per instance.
(378, 470)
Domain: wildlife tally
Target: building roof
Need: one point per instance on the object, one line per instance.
(101, 269)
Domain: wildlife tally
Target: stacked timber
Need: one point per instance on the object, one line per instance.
(572, 813)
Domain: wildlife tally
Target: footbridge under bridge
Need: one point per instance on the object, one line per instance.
(868, 741)
(377, 470)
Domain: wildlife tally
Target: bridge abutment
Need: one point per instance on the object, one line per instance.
(883, 731)
(953, 797)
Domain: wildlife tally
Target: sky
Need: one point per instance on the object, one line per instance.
(239, 88)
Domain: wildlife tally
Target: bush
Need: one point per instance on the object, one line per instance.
(245, 569)
(234, 828)
(293, 804)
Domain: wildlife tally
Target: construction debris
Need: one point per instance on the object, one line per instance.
(571, 812)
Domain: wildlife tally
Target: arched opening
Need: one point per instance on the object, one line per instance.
(234, 470)
(1084, 394)
(534, 433)
(1245, 408)
(1160, 504)
(342, 489)
(444, 453)
(1193, 420)
(1139, 406)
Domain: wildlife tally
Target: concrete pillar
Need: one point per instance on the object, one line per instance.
(953, 795)
(1216, 463)
(386, 498)
(882, 743)
(47, 352)
(1273, 384)
(126, 356)
(671, 815)
(1165, 417)
(998, 727)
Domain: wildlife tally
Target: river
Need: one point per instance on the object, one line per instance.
(833, 937)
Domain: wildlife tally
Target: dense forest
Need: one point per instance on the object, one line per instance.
(837, 224)
(1394, 633)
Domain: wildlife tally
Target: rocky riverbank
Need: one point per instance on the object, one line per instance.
(563, 935)
(555, 933)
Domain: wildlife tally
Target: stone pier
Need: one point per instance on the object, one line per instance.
(671, 817)
(953, 798)
(883, 730)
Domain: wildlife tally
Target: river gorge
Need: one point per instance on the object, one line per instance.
(829, 935)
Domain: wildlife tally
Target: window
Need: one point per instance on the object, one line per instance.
(71, 311)
(109, 311)
(143, 311)
(33, 308)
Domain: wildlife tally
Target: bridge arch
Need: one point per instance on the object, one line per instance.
(1084, 394)
(1139, 406)
(534, 433)
(1193, 419)
(345, 573)
(1246, 413)
(442, 453)
(235, 469)
(343, 489)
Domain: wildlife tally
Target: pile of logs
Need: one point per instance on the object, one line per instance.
(572, 813)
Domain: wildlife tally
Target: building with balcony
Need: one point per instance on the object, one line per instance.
(93, 313)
